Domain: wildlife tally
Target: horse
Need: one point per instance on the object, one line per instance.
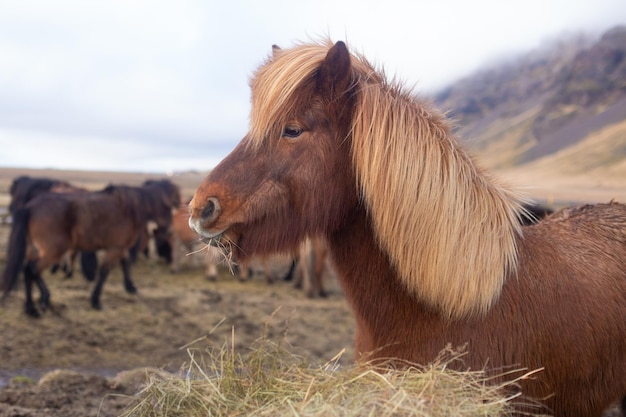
(428, 245)
(53, 224)
(311, 265)
(158, 199)
(24, 188)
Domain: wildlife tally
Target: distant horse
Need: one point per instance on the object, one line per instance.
(247, 268)
(25, 188)
(428, 247)
(154, 201)
(311, 266)
(158, 199)
(244, 269)
(53, 224)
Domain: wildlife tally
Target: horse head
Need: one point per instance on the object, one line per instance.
(297, 149)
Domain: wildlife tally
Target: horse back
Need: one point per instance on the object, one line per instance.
(23, 189)
(570, 289)
(104, 221)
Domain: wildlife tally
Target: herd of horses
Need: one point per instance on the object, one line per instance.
(54, 222)
(429, 248)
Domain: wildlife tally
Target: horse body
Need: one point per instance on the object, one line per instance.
(570, 326)
(53, 224)
(25, 188)
(429, 248)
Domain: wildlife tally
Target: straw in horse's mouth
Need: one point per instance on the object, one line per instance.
(212, 241)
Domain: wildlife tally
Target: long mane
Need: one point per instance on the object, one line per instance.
(449, 228)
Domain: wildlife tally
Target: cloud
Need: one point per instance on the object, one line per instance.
(170, 79)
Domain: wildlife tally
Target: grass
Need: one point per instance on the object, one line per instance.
(269, 380)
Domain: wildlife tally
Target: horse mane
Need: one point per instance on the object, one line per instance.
(449, 228)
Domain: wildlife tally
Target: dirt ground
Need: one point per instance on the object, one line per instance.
(75, 361)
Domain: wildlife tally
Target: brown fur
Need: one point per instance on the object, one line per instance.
(428, 247)
(54, 224)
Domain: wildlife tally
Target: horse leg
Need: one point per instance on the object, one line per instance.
(102, 277)
(211, 269)
(269, 275)
(129, 286)
(320, 264)
(44, 297)
(291, 271)
(89, 265)
(69, 260)
(244, 273)
(31, 274)
(176, 254)
(306, 268)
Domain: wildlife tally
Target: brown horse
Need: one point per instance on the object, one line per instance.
(53, 224)
(156, 200)
(25, 188)
(311, 267)
(428, 247)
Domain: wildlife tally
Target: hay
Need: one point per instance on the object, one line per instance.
(271, 381)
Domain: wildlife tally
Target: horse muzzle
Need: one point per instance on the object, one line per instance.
(208, 215)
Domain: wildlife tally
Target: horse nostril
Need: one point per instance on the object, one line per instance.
(211, 210)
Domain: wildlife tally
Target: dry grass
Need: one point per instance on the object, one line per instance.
(271, 381)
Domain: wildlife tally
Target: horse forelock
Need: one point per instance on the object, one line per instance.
(449, 228)
(274, 87)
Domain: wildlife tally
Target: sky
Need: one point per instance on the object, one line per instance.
(162, 86)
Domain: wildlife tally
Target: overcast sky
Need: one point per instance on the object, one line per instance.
(156, 86)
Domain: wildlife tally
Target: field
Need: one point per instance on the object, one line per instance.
(86, 355)
(153, 329)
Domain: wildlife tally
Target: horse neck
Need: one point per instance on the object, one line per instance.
(378, 298)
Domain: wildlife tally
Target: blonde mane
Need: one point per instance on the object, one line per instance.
(449, 228)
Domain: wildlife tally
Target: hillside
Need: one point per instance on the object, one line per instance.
(553, 116)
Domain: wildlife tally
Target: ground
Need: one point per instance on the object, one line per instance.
(75, 361)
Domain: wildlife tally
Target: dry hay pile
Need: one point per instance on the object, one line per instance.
(271, 381)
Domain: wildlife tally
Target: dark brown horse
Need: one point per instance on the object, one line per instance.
(54, 224)
(156, 200)
(428, 247)
(25, 188)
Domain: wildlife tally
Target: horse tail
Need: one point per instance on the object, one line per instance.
(89, 265)
(16, 250)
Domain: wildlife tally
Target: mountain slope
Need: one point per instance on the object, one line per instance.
(561, 110)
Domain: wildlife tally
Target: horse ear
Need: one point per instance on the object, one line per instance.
(334, 75)
(275, 50)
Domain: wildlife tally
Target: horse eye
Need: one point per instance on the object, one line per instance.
(292, 132)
